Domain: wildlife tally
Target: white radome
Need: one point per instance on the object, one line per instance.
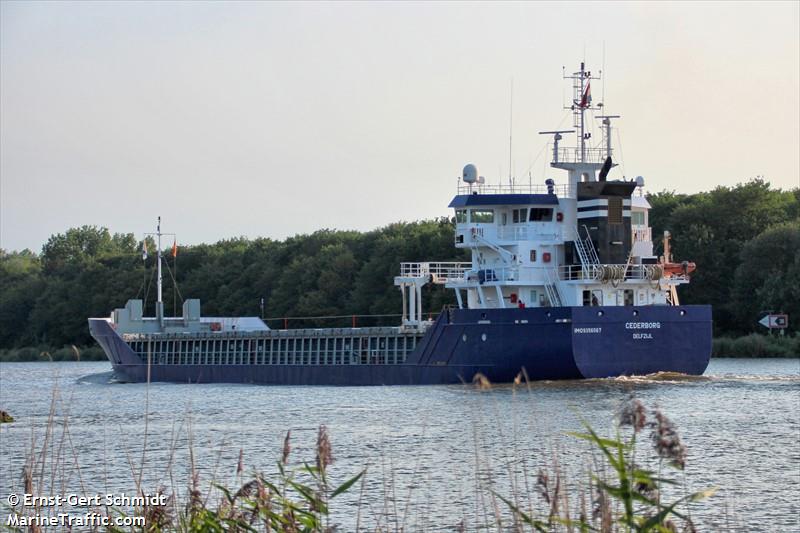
(470, 173)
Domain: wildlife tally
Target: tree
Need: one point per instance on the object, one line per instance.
(768, 278)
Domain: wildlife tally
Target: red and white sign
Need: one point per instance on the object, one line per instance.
(775, 321)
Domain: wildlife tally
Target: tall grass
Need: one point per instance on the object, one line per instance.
(624, 486)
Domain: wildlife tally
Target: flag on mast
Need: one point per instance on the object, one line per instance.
(586, 99)
(175, 248)
(144, 250)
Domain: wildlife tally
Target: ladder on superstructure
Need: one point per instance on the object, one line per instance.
(551, 287)
(502, 252)
(586, 252)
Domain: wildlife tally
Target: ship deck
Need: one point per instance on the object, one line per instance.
(308, 346)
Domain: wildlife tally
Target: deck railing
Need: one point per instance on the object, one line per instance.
(440, 272)
(561, 190)
(641, 234)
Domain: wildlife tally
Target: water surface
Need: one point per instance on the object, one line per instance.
(427, 447)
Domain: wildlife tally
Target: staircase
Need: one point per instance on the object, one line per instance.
(551, 287)
(504, 254)
(586, 252)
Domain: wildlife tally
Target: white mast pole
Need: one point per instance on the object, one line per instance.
(160, 303)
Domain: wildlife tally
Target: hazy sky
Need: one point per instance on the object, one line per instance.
(270, 119)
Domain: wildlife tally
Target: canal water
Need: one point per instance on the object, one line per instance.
(434, 454)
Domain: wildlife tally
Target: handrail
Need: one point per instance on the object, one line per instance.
(563, 190)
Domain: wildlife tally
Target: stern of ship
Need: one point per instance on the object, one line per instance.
(625, 341)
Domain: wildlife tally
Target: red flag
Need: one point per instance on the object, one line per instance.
(175, 248)
(586, 99)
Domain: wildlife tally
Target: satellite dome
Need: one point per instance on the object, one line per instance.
(470, 174)
(481, 180)
(639, 181)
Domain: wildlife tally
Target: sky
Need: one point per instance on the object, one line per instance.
(275, 119)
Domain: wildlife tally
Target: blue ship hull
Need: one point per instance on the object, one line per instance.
(548, 343)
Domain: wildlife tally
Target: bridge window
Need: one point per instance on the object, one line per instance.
(541, 214)
(483, 216)
(461, 216)
(637, 218)
(519, 215)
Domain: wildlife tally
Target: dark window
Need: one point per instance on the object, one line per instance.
(627, 297)
(615, 210)
(533, 256)
(541, 214)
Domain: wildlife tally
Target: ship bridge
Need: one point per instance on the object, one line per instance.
(585, 242)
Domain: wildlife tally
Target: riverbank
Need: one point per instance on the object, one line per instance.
(753, 345)
(756, 345)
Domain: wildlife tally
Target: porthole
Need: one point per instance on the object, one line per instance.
(636, 313)
(599, 313)
(464, 337)
(548, 313)
(683, 312)
(483, 337)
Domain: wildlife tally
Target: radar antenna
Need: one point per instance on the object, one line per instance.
(556, 137)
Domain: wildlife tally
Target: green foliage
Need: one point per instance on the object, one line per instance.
(768, 277)
(296, 500)
(757, 345)
(713, 229)
(86, 272)
(744, 240)
(636, 490)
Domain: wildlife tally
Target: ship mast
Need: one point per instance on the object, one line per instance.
(581, 101)
(583, 161)
(160, 302)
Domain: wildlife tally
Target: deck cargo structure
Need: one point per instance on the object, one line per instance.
(562, 284)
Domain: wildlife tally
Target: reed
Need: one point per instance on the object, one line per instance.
(623, 487)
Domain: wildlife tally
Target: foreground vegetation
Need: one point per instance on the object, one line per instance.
(756, 345)
(625, 487)
(745, 240)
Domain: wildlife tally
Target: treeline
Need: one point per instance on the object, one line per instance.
(746, 243)
(46, 298)
(744, 239)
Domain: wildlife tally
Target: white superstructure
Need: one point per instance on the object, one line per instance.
(583, 242)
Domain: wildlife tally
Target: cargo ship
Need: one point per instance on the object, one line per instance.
(562, 284)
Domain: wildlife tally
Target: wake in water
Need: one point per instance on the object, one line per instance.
(100, 378)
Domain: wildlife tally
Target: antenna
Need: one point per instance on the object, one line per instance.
(602, 70)
(607, 134)
(159, 302)
(158, 233)
(556, 137)
(581, 101)
(510, 131)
